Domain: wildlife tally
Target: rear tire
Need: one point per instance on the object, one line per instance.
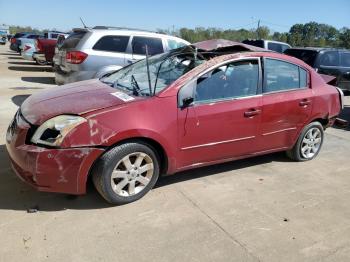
(126, 172)
(308, 144)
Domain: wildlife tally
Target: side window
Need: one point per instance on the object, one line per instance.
(303, 77)
(154, 45)
(237, 79)
(280, 75)
(173, 44)
(112, 43)
(329, 58)
(345, 59)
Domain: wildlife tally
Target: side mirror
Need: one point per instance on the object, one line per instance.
(187, 101)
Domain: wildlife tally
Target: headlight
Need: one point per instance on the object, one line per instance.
(53, 131)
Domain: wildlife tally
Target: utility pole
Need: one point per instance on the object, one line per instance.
(258, 30)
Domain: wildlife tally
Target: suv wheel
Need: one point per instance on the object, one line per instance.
(126, 173)
(308, 144)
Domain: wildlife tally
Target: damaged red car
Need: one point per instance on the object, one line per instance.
(207, 103)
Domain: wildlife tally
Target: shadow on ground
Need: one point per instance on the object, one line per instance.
(22, 63)
(15, 57)
(9, 53)
(25, 88)
(39, 79)
(16, 195)
(19, 99)
(345, 114)
(31, 68)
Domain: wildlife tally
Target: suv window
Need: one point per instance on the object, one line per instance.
(73, 40)
(280, 75)
(154, 45)
(258, 43)
(280, 48)
(173, 44)
(345, 59)
(237, 79)
(308, 56)
(329, 58)
(112, 43)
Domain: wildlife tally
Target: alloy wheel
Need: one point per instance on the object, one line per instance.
(311, 143)
(132, 174)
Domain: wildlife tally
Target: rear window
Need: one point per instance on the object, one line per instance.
(308, 56)
(154, 45)
(72, 40)
(112, 43)
(258, 43)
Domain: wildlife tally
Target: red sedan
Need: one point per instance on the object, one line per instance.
(198, 105)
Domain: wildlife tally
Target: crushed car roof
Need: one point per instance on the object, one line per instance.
(223, 44)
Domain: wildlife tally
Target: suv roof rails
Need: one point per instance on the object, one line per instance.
(122, 28)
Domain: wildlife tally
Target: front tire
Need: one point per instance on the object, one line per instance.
(308, 144)
(126, 172)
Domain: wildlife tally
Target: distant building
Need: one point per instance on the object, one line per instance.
(4, 29)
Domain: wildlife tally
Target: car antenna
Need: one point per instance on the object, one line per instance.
(82, 22)
(148, 74)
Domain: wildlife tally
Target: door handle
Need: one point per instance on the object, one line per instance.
(305, 102)
(252, 112)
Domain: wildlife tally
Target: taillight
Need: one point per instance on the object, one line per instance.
(13, 40)
(26, 47)
(75, 57)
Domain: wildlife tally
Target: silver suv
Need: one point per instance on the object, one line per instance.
(92, 53)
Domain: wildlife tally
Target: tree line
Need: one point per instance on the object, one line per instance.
(309, 34)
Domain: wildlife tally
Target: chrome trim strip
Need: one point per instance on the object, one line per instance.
(279, 131)
(218, 143)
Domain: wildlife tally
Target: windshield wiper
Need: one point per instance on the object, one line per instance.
(135, 86)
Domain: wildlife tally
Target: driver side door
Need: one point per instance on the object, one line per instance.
(223, 120)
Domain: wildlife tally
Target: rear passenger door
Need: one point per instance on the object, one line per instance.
(109, 50)
(286, 103)
(137, 49)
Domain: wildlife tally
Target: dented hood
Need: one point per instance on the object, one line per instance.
(77, 98)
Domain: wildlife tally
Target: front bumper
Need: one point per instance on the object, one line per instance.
(50, 170)
(40, 57)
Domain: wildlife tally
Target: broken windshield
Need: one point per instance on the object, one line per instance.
(164, 69)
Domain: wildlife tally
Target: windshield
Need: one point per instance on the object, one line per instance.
(164, 69)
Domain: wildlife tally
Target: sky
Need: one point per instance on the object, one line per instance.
(277, 15)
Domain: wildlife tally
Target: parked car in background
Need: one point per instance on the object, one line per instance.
(28, 53)
(329, 61)
(91, 53)
(18, 41)
(45, 47)
(3, 39)
(195, 106)
(27, 40)
(276, 46)
(13, 41)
